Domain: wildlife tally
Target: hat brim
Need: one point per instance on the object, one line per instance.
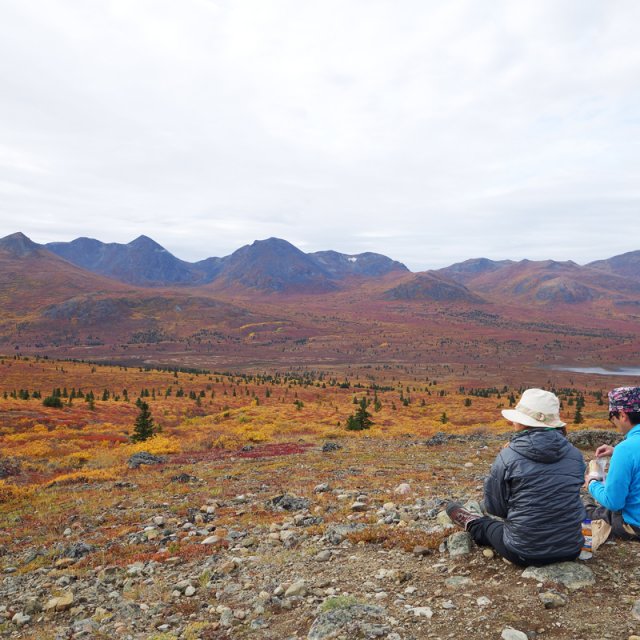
(513, 415)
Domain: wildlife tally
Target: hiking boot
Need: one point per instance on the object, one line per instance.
(461, 516)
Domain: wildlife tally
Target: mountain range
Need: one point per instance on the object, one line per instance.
(277, 266)
(272, 265)
(88, 298)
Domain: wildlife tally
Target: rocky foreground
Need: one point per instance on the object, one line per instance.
(342, 541)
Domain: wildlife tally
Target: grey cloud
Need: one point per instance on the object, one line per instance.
(431, 132)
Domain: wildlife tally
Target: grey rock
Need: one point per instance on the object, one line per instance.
(331, 446)
(552, 599)
(290, 539)
(85, 627)
(336, 534)
(287, 502)
(308, 521)
(443, 519)
(355, 621)
(509, 633)
(182, 585)
(109, 574)
(184, 478)
(31, 555)
(226, 618)
(459, 544)
(32, 606)
(298, 588)
(593, 438)
(474, 506)
(20, 619)
(144, 457)
(438, 438)
(61, 603)
(571, 574)
(135, 569)
(78, 550)
(457, 581)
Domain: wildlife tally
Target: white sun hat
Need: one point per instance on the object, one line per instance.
(537, 408)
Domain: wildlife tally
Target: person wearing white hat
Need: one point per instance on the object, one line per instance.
(533, 487)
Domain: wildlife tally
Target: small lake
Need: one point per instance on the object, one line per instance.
(622, 371)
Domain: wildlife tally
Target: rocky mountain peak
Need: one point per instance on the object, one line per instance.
(18, 245)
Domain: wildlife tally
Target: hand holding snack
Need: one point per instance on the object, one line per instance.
(594, 471)
(604, 450)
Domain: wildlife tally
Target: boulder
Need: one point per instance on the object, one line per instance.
(354, 621)
(593, 438)
(459, 544)
(144, 457)
(571, 574)
(286, 502)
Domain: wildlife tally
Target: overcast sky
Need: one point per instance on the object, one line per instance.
(429, 131)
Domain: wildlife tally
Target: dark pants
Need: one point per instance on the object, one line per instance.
(489, 533)
(619, 528)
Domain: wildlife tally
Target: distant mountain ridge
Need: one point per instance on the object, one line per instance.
(32, 276)
(277, 266)
(142, 262)
(550, 281)
(626, 264)
(270, 265)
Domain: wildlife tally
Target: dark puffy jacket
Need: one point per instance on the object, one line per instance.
(534, 484)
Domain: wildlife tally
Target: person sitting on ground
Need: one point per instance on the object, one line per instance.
(618, 499)
(534, 487)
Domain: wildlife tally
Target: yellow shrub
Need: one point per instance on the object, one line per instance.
(78, 459)
(37, 449)
(158, 445)
(87, 475)
(11, 492)
(219, 442)
(255, 435)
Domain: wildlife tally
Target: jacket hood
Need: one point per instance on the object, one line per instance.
(539, 445)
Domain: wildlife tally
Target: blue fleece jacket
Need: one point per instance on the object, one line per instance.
(621, 491)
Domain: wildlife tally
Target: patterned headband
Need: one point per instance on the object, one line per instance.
(624, 399)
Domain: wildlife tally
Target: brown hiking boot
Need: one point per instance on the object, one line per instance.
(461, 516)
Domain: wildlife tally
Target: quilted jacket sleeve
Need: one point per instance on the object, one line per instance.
(496, 488)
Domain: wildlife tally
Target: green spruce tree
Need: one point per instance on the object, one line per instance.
(361, 419)
(144, 427)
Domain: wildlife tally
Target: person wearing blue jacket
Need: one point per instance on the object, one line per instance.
(533, 488)
(618, 498)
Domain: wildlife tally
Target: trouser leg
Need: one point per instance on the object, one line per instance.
(619, 528)
(489, 532)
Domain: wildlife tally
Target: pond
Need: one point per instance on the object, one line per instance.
(622, 371)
